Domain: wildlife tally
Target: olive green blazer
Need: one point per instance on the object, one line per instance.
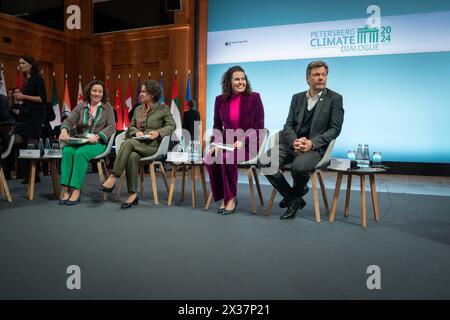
(159, 118)
(104, 124)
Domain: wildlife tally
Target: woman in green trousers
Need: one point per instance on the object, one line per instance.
(93, 119)
(151, 119)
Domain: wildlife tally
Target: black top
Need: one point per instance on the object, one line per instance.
(34, 114)
(189, 117)
(305, 129)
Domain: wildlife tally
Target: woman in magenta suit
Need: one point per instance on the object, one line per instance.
(239, 117)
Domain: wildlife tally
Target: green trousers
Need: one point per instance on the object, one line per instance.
(130, 152)
(75, 162)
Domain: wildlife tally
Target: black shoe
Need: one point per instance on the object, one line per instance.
(284, 203)
(72, 203)
(127, 205)
(294, 206)
(220, 210)
(105, 189)
(225, 211)
(62, 202)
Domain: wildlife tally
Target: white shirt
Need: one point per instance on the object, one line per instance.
(312, 101)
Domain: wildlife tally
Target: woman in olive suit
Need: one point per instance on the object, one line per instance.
(93, 119)
(152, 119)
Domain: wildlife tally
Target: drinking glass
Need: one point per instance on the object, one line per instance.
(376, 159)
(351, 155)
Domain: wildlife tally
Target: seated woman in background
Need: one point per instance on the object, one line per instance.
(93, 119)
(236, 108)
(151, 118)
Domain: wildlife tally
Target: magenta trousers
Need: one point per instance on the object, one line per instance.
(223, 173)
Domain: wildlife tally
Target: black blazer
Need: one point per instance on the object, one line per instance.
(326, 123)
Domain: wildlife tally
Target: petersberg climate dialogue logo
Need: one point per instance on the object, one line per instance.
(371, 37)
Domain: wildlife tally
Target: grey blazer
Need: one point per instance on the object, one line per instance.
(326, 123)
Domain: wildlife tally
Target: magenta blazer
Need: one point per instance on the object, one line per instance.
(251, 116)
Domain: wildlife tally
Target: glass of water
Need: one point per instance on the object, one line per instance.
(351, 155)
(376, 159)
(30, 146)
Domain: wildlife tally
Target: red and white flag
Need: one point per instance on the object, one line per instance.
(80, 92)
(128, 105)
(118, 107)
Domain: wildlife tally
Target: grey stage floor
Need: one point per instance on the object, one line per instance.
(160, 252)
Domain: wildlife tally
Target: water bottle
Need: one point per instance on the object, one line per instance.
(47, 143)
(359, 156)
(191, 151)
(196, 150)
(366, 157)
(41, 146)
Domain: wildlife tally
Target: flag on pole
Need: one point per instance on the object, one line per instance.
(138, 89)
(161, 84)
(175, 108)
(3, 90)
(80, 92)
(66, 109)
(55, 104)
(107, 89)
(128, 104)
(118, 107)
(188, 92)
(19, 80)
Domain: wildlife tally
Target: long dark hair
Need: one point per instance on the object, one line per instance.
(226, 82)
(34, 65)
(88, 87)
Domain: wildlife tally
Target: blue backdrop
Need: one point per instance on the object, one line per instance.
(396, 103)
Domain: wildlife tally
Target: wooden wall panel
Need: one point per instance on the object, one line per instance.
(155, 49)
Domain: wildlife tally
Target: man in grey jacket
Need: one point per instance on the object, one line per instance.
(315, 118)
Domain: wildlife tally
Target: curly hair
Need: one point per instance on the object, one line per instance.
(88, 87)
(226, 82)
(152, 87)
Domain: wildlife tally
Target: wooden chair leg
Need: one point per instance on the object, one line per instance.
(163, 174)
(142, 171)
(252, 191)
(376, 211)
(258, 186)
(31, 179)
(202, 177)
(323, 190)
(336, 196)
(183, 182)
(54, 175)
(172, 184)
(4, 186)
(120, 186)
(316, 196)
(363, 200)
(154, 188)
(347, 195)
(193, 193)
(208, 202)
(270, 204)
(101, 176)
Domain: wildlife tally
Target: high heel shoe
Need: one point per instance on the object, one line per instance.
(72, 203)
(220, 210)
(127, 205)
(225, 212)
(105, 189)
